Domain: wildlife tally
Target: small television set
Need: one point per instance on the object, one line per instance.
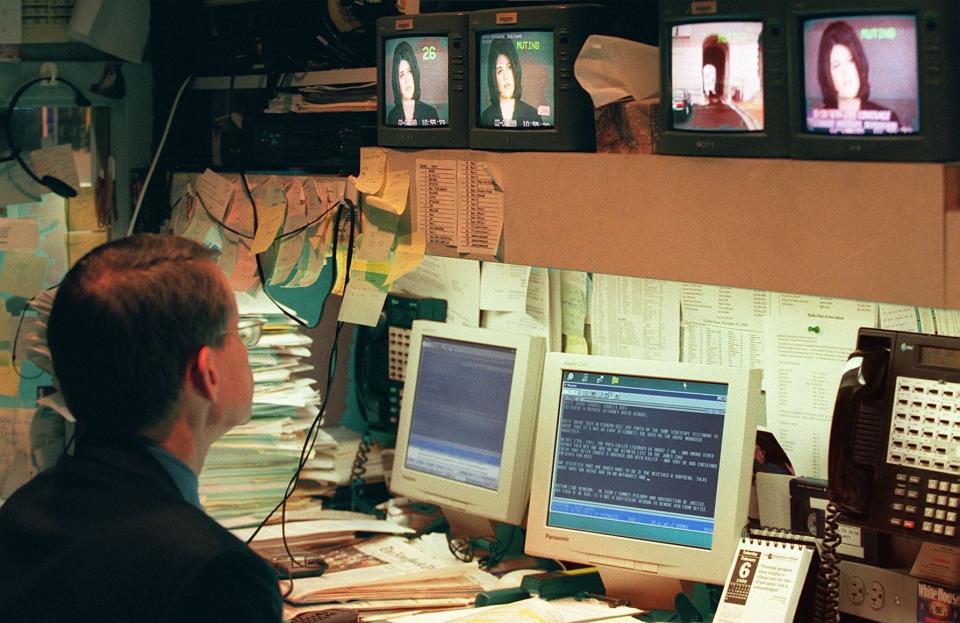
(467, 420)
(524, 95)
(875, 80)
(422, 87)
(724, 87)
(643, 467)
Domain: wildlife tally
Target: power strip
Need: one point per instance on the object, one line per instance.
(884, 595)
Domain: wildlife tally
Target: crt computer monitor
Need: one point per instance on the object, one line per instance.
(467, 420)
(422, 63)
(875, 80)
(723, 78)
(524, 95)
(643, 466)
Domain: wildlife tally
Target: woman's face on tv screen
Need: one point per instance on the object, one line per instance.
(405, 80)
(504, 75)
(843, 72)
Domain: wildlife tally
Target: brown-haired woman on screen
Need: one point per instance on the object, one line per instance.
(843, 73)
(408, 109)
(504, 78)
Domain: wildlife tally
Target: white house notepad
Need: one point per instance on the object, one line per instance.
(764, 583)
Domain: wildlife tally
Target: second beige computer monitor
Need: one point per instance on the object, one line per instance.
(467, 420)
(643, 466)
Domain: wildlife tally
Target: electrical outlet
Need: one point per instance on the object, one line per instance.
(855, 590)
(875, 594)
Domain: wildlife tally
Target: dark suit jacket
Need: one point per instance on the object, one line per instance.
(522, 111)
(422, 112)
(105, 536)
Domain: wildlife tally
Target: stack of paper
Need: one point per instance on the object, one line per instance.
(247, 471)
(334, 457)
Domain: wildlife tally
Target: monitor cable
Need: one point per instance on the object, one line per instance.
(54, 184)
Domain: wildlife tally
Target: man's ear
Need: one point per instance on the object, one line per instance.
(203, 375)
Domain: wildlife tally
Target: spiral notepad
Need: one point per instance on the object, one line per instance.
(766, 579)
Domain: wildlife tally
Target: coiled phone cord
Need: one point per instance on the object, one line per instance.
(827, 602)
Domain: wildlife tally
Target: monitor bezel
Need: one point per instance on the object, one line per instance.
(774, 139)
(938, 108)
(646, 557)
(570, 25)
(454, 27)
(508, 503)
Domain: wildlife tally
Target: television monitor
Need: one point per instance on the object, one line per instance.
(724, 88)
(875, 80)
(524, 95)
(467, 420)
(422, 88)
(643, 466)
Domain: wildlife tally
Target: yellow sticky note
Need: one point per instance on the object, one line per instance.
(395, 191)
(576, 344)
(22, 274)
(79, 243)
(82, 211)
(9, 381)
(373, 163)
(271, 203)
(288, 256)
(407, 256)
(362, 302)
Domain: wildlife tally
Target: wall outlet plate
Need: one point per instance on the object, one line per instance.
(884, 595)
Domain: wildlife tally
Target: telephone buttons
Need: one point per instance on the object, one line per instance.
(955, 487)
(932, 484)
(941, 500)
(911, 509)
(897, 506)
(952, 516)
(895, 521)
(953, 502)
(909, 524)
(928, 512)
(914, 480)
(941, 514)
(949, 531)
(913, 494)
(938, 528)
(927, 526)
(900, 491)
(931, 498)
(944, 486)
(901, 478)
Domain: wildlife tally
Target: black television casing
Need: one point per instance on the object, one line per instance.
(571, 25)
(454, 27)
(774, 139)
(938, 73)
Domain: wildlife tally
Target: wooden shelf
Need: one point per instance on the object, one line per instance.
(886, 232)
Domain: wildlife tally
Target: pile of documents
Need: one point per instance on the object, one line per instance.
(333, 459)
(247, 470)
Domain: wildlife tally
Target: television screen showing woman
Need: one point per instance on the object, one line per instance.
(416, 90)
(516, 87)
(860, 75)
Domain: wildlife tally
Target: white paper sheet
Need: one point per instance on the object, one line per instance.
(802, 364)
(634, 317)
(503, 287)
(455, 280)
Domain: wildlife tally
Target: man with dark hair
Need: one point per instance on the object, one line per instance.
(151, 359)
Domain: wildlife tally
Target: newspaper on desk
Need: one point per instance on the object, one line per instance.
(534, 610)
(392, 566)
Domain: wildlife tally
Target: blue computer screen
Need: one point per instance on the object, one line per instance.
(459, 415)
(638, 457)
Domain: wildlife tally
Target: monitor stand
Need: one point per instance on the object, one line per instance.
(467, 526)
(640, 589)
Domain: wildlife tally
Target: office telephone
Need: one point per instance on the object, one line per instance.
(894, 462)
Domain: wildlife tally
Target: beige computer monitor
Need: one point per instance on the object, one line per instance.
(643, 467)
(467, 420)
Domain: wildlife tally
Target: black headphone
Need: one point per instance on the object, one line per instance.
(54, 184)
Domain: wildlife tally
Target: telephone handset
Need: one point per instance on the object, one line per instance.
(894, 462)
